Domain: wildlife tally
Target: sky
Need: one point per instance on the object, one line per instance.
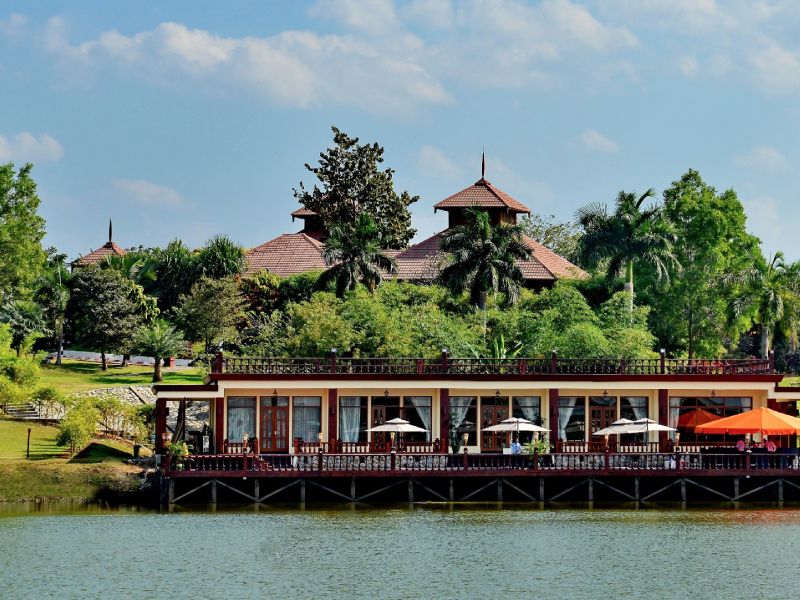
(186, 119)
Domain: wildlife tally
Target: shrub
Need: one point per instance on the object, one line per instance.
(50, 401)
(78, 426)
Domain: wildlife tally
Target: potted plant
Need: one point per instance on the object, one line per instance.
(536, 448)
(180, 450)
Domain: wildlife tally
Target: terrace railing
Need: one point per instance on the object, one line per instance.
(445, 365)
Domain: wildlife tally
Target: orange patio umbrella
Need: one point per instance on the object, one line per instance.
(691, 419)
(760, 420)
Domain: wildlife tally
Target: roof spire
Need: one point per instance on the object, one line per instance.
(483, 164)
(110, 230)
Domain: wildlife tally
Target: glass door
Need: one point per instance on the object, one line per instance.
(494, 410)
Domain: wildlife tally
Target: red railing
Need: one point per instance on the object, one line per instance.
(485, 366)
(608, 462)
(239, 447)
(339, 447)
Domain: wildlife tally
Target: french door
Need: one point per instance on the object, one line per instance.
(274, 428)
(492, 415)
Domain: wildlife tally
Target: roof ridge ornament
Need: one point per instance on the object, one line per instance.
(110, 230)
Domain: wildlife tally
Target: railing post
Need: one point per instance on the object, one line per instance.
(663, 361)
(444, 360)
(523, 365)
(333, 360)
(535, 463)
(464, 460)
(319, 462)
(218, 362)
(771, 361)
(553, 358)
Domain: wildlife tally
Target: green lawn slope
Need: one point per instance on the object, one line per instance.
(77, 376)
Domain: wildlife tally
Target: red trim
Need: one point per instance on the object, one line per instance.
(663, 413)
(486, 377)
(333, 409)
(444, 421)
(553, 416)
(219, 427)
(161, 423)
(187, 387)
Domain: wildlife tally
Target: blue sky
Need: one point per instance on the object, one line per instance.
(184, 119)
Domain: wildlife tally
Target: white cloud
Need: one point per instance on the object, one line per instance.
(595, 142)
(295, 68)
(433, 163)
(524, 190)
(14, 27)
(373, 17)
(763, 158)
(435, 14)
(151, 194)
(25, 147)
(776, 68)
(765, 220)
(689, 66)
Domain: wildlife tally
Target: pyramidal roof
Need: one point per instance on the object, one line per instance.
(289, 254)
(484, 195)
(99, 255)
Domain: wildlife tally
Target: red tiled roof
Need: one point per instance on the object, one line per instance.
(420, 262)
(303, 212)
(289, 254)
(482, 194)
(99, 255)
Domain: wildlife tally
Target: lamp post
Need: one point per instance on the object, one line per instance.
(245, 438)
(465, 437)
(391, 437)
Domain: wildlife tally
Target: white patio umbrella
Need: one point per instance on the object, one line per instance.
(648, 425)
(618, 427)
(398, 426)
(515, 424)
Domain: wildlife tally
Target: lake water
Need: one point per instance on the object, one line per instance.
(424, 552)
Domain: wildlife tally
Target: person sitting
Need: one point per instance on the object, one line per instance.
(740, 445)
(771, 447)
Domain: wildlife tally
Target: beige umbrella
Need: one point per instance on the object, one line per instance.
(398, 426)
(515, 424)
(617, 427)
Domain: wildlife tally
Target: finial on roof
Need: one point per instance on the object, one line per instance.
(110, 230)
(483, 165)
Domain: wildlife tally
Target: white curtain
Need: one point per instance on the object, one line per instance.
(349, 418)
(565, 408)
(529, 406)
(458, 411)
(674, 415)
(423, 406)
(306, 417)
(241, 418)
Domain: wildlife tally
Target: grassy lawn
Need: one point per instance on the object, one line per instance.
(77, 376)
(49, 474)
(790, 380)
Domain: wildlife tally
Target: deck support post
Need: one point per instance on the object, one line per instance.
(736, 488)
(353, 488)
(302, 491)
(171, 491)
(452, 491)
(683, 490)
(213, 491)
(780, 492)
(499, 489)
(591, 489)
(256, 490)
(411, 491)
(636, 488)
(541, 489)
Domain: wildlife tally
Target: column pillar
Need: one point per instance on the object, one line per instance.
(553, 401)
(333, 406)
(444, 420)
(663, 413)
(219, 424)
(161, 423)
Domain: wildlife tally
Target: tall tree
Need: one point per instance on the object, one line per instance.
(103, 310)
(159, 340)
(139, 267)
(219, 258)
(770, 292)
(21, 232)
(354, 251)
(211, 311)
(689, 314)
(52, 294)
(352, 183)
(560, 237)
(483, 258)
(176, 272)
(631, 234)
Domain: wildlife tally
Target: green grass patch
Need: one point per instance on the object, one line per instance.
(50, 473)
(788, 381)
(77, 376)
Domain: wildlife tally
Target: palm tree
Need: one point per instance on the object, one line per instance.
(159, 340)
(136, 266)
(354, 251)
(483, 258)
(771, 291)
(629, 235)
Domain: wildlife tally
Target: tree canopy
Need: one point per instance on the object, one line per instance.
(352, 182)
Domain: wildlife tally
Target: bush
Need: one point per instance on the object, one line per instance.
(50, 401)
(78, 426)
